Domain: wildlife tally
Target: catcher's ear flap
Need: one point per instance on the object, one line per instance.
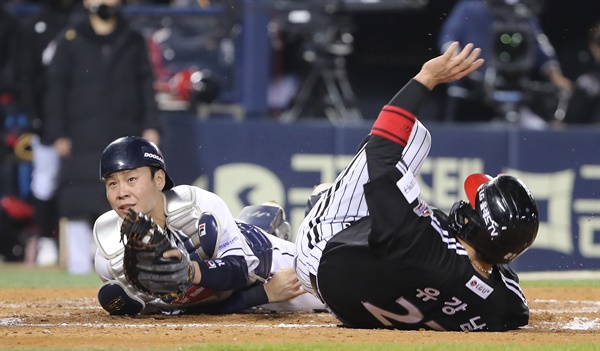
(116, 299)
(208, 237)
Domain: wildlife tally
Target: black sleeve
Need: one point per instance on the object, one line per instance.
(411, 97)
(29, 71)
(253, 296)
(584, 106)
(517, 312)
(387, 208)
(58, 80)
(9, 43)
(146, 81)
(227, 273)
(383, 153)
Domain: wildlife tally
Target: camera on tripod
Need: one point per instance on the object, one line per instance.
(513, 38)
(325, 31)
(512, 58)
(321, 24)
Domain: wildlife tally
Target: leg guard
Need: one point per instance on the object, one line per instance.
(116, 299)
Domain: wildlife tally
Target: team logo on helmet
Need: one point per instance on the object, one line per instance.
(492, 226)
(154, 156)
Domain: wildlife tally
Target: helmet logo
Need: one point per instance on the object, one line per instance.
(154, 156)
(485, 213)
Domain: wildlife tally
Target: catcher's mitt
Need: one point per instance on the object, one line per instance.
(145, 267)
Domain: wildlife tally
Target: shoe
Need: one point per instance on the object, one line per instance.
(315, 196)
(47, 252)
(282, 230)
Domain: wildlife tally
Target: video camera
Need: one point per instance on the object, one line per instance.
(513, 41)
(513, 37)
(319, 23)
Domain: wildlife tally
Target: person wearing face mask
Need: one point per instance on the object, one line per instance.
(99, 87)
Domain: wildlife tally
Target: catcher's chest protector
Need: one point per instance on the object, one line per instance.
(184, 217)
(107, 234)
(181, 210)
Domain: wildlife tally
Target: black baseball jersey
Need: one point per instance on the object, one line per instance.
(402, 267)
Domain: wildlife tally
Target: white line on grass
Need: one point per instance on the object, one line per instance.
(20, 322)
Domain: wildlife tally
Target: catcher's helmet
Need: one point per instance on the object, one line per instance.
(132, 152)
(502, 217)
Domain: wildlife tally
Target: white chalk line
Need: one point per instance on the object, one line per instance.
(575, 306)
(577, 323)
(29, 305)
(20, 322)
(589, 302)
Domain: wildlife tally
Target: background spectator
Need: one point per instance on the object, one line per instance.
(584, 105)
(36, 47)
(528, 55)
(100, 87)
(15, 212)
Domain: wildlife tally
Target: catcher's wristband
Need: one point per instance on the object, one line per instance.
(227, 273)
(239, 301)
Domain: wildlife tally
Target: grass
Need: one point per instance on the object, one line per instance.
(20, 276)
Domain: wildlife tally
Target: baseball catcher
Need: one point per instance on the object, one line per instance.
(433, 271)
(177, 249)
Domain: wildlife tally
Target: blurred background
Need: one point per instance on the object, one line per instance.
(263, 99)
(376, 44)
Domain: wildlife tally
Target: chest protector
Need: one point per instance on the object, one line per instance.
(200, 231)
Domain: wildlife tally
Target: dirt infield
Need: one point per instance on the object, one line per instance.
(61, 318)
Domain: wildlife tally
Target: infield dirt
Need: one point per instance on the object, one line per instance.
(72, 319)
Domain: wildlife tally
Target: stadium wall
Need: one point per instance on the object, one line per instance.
(255, 161)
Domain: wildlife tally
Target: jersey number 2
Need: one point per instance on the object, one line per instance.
(413, 315)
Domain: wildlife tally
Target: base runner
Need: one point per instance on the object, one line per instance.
(379, 257)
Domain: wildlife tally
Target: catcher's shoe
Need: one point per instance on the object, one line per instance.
(270, 217)
(315, 196)
(283, 229)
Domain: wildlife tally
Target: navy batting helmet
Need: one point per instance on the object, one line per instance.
(502, 217)
(132, 152)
